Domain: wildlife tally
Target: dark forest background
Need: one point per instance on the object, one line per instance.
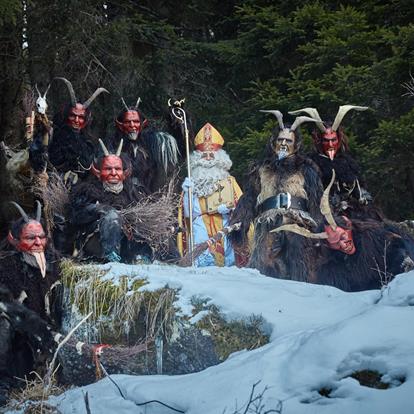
(229, 59)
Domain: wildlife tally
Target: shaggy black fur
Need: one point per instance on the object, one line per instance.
(16, 275)
(276, 254)
(94, 210)
(67, 150)
(23, 327)
(144, 167)
(381, 249)
(144, 153)
(347, 172)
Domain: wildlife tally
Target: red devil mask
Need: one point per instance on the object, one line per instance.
(76, 118)
(131, 124)
(341, 239)
(112, 169)
(32, 238)
(331, 143)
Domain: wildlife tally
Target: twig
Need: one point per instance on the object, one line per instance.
(66, 339)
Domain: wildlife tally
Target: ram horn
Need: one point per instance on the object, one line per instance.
(342, 111)
(325, 206)
(71, 91)
(47, 90)
(119, 150)
(94, 96)
(313, 112)
(104, 149)
(300, 120)
(277, 114)
(294, 228)
(38, 211)
(138, 102)
(21, 211)
(124, 103)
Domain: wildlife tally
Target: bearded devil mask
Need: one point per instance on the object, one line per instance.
(328, 139)
(29, 237)
(111, 172)
(286, 142)
(130, 122)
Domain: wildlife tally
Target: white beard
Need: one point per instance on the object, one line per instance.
(36, 259)
(205, 174)
(113, 188)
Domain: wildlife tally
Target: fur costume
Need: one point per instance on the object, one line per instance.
(96, 220)
(280, 255)
(382, 251)
(154, 154)
(68, 151)
(22, 332)
(348, 195)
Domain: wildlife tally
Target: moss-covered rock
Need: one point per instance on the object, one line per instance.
(124, 313)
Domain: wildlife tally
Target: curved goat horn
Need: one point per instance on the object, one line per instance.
(138, 102)
(277, 114)
(71, 90)
(104, 149)
(21, 211)
(342, 111)
(37, 90)
(313, 112)
(93, 97)
(294, 228)
(118, 151)
(38, 211)
(47, 90)
(300, 120)
(124, 103)
(325, 206)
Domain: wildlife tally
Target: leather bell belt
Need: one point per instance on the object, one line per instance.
(283, 200)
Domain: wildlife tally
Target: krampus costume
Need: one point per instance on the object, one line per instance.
(332, 153)
(95, 212)
(214, 195)
(28, 274)
(283, 188)
(154, 154)
(69, 150)
(357, 255)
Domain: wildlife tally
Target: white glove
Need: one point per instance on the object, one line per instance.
(222, 209)
(187, 183)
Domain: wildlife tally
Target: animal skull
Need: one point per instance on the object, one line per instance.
(41, 104)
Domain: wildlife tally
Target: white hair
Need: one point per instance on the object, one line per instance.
(205, 174)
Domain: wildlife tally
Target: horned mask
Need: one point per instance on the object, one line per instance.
(130, 121)
(32, 238)
(79, 115)
(329, 141)
(286, 141)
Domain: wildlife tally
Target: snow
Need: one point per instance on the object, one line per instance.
(319, 336)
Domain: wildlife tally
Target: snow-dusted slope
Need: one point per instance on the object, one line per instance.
(319, 336)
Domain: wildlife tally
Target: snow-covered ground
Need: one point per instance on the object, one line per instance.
(319, 336)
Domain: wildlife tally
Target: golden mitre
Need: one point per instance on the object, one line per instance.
(208, 139)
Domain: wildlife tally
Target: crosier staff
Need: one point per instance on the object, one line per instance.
(179, 113)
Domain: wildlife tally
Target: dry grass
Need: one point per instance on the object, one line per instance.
(118, 309)
(33, 396)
